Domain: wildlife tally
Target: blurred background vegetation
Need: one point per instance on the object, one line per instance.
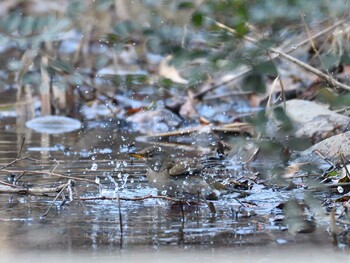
(60, 55)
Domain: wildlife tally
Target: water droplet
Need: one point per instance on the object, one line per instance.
(340, 189)
(94, 167)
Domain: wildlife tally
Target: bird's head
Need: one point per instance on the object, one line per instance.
(156, 158)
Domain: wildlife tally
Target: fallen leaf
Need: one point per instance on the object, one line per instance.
(170, 72)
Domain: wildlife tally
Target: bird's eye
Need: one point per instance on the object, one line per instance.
(150, 155)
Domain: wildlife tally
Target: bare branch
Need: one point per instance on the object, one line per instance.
(50, 173)
(331, 81)
(92, 198)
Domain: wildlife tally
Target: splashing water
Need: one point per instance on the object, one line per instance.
(94, 167)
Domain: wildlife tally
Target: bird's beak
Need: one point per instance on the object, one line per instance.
(137, 155)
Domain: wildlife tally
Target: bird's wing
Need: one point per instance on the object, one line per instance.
(185, 167)
(195, 166)
(213, 162)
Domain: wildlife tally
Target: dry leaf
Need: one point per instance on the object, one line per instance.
(170, 72)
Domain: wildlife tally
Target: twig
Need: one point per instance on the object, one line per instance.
(120, 221)
(269, 103)
(13, 161)
(21, 148)
(92, 198)
(322, 156)
(227, 94)
(313, 44)
(342, 221)
(331, 81)
(36, 191)
(321, 187)
(283, 93)
(343, 161)
(57, 164)
(70, 190)
(248, 69)
(10, 185)
(50, 173)
(223, 83)
(342, 110)
(54, 200)
(182, 228)
(19, 177)
(76, 196)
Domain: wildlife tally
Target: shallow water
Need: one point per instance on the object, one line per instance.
(96, 225)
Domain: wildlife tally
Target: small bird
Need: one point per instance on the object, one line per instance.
(175, 178)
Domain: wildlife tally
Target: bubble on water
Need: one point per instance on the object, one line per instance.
(164, 192)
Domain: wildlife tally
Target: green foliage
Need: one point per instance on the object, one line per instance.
(59, 67)
(197, 19)
(330, 60)
(297, 144)
(254, 82)
(332, 174)
(74, 9)
(128, 80)
(327, 96)
(125, 29)
(11, 22)
(285, 123)
(259, 121)
(31, 78)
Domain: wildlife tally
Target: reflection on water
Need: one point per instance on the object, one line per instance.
(96, 224)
